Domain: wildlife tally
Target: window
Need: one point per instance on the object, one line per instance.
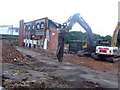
(38, 26)
(33, 27)
(28, 27)
(42, 25)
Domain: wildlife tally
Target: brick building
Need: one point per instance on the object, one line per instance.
(42, 33)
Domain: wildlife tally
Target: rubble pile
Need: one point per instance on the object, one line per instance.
(47, 53)
(34, 84)
(10, 53)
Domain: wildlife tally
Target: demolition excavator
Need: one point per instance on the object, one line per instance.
(68, 26)
(109, 53)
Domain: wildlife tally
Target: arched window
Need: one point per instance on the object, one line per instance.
(33, 27)
(38, 26)
(26, 27)
(42, 25)
(29, 27)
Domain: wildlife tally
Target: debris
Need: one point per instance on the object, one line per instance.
(10, 53)
(8, 81)
(25, 79)
(47, 53)
(38, 71)
(21, 71)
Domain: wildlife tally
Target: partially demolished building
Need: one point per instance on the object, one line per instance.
(41, 33)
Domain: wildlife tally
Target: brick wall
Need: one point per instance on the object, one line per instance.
(26, 31)
(21, 32)
(53, 43)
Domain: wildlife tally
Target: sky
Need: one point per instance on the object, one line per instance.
(101, 15)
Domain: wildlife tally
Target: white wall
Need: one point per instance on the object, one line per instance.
(5, 30)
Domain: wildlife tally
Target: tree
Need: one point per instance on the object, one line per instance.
(77, 35)
(107, 37)
(74, 35)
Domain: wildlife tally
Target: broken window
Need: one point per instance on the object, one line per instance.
(33, 27)
(38, 26)
(28, 27)
(42, 25)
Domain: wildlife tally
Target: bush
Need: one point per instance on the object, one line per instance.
(15, 43)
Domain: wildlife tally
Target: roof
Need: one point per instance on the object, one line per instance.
(49, 21)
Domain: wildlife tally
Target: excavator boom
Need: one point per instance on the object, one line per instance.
(76, 18)
(116, 36)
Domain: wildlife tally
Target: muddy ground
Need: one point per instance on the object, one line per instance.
(39, 71)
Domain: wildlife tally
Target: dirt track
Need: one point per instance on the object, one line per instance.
(74, 72)
(93, 64)
(106, 75)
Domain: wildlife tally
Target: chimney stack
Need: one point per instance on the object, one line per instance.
(21, 32)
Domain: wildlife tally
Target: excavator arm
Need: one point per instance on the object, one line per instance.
(116, 36)
(76, 18)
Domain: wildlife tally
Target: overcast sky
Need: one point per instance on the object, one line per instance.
(101, 15)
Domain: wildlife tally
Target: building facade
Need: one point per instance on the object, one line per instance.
(41, 33)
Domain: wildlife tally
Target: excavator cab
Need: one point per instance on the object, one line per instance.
(84, 45)
(102, 42)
